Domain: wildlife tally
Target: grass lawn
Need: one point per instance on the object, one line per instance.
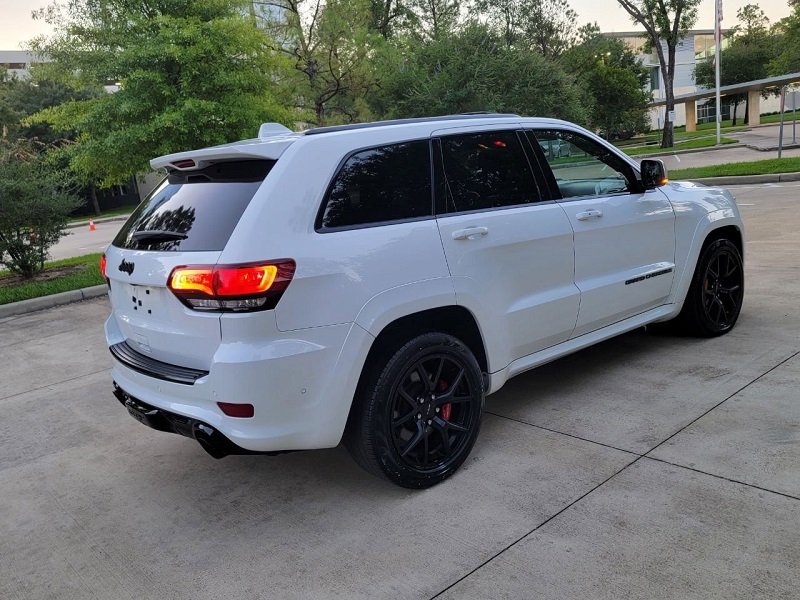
(58, 276)
(705, 142)
(756, 167)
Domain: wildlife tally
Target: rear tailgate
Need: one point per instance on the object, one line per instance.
(187, 220)
(149, 316)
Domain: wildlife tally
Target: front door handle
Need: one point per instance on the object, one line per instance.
(469, 233)
(589, 214)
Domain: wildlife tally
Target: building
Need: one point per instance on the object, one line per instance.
(18, 63)
(697, 46)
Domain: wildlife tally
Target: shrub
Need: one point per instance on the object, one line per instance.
(34, 206)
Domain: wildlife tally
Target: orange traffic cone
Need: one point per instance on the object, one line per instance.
(91, 225)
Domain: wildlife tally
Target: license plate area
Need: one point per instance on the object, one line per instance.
(143, 299)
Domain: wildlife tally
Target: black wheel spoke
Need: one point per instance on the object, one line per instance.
(416, 439)
(441, 427)
(438, 377)
(448, 394)
(424, 377)
(404, 419)
(720, 311)
(407, 397)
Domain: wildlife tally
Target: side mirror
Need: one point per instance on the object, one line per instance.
(654, 173)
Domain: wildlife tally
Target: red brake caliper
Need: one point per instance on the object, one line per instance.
(447, 407)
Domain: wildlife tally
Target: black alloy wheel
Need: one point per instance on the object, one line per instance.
(715, 297)
(416, 424)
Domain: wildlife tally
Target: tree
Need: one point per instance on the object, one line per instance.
(614, 81)
(665, 21)
(334, 69)
(545, 25)
(192, 73)
(745, 59)
(787, 58)
(436, 18)
(474, 70)
(33, 207)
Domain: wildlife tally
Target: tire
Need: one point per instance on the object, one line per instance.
(417, 416)
(714, 300)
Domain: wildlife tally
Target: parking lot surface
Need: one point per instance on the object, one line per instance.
(649, 466)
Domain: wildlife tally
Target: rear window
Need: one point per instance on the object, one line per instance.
(194, 211)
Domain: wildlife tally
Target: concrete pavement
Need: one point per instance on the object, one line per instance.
(650, 466)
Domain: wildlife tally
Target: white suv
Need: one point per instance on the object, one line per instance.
(372, 283)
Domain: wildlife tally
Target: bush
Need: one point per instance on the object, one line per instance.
(34, 207)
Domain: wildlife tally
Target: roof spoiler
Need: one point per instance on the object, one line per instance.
(268, 130)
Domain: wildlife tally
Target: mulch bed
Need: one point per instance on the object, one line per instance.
(48, 274)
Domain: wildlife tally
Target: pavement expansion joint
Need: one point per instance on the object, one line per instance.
(539, 526)
(54, 383)
(722, 477)
(721, 402)
(569, 435)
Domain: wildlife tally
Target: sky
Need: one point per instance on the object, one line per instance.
(17, 26)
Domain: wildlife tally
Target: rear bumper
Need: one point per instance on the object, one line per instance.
(300, 384)
(212, 441)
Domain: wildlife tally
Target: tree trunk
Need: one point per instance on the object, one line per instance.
(319, 111)
(95, 203)
(747, 110)
(735, 106)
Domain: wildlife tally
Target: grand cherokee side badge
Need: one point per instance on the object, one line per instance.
(126, 267)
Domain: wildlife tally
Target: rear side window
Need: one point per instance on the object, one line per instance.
(194, 210)
(483, 171)
(388, 183)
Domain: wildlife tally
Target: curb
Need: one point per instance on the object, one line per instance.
(100, 220)
(690, 151)
(746, 179)
(36, 304)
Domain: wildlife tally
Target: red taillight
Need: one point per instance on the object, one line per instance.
(184, 164)
(251, 286)
(103, 266)
(241, 411)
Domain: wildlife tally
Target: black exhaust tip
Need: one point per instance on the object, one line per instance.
(211, 440)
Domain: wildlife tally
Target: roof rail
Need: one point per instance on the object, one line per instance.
(268, 130)
(458, 117)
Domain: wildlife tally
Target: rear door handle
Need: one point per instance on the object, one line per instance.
(589, 214)
(469, 233)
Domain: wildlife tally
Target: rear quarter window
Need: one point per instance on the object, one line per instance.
(387, 183)
(194, 210)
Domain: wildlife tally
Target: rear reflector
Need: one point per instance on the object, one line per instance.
(240, 411)
(103, 266)
(251, 286)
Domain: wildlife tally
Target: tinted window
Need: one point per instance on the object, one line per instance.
(582, 167)
(380, 184)
(486, 170)
(194, 210)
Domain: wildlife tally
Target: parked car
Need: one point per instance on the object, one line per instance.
(372, 283)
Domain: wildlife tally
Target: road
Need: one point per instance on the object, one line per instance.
(650, 466)
(82, 241)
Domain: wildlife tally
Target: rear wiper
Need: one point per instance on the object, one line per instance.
(160, 235)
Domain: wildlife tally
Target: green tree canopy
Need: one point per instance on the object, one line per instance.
(192, 73)
(787, 59)
(329, 44)
(474, 70)
(613, 80)
(664, 21)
